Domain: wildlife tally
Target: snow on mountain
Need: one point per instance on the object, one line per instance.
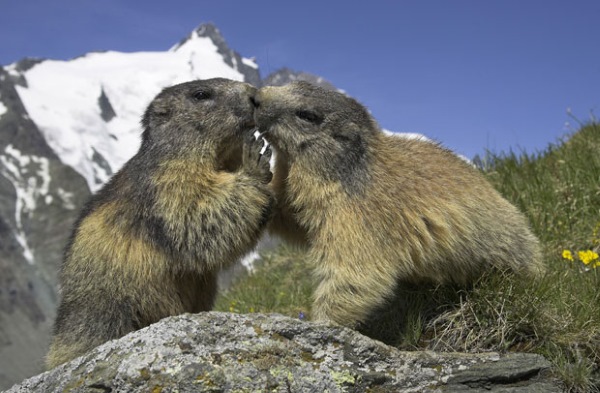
(89, 108)
(23, 172)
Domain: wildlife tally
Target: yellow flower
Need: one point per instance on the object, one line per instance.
(587, 256)
(566, 254)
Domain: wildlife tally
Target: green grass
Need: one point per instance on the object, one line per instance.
(557, 316)
(281, 284)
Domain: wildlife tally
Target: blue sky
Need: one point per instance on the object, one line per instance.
(472, 74)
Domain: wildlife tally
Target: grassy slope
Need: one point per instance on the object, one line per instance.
(558, 316)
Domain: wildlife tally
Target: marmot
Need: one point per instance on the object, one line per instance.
(150, 243)
(376, 210)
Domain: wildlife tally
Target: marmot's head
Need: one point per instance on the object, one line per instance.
(327, 131)
(200, 112)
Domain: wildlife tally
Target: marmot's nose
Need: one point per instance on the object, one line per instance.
(254, 101)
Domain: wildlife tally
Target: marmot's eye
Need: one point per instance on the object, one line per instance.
(310, 117)
(200, 95)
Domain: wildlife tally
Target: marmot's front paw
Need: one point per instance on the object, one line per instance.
(254, 163)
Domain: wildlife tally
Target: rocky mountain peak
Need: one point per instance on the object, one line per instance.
(246, 67)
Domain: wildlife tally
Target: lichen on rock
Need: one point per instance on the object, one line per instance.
(217, 351)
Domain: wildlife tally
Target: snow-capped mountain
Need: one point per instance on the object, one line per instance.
(65, 128)
(88, 109)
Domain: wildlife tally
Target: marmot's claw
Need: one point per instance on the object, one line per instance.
(265, 162)
(267, 153)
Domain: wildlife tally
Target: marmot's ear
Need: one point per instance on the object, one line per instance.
(158, 111)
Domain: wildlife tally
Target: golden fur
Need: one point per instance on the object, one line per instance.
(375, 210)
(150, 243)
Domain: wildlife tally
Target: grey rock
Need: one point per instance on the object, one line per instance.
(222, 352)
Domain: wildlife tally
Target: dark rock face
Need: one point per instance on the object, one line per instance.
(231, 352)
(17, 128)
(39, 201)
(22, 66)
(107, 112)
(40, 195)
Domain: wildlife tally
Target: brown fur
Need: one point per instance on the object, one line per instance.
(150, 243)
(375, 210)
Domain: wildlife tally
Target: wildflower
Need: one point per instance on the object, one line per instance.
(587, 256)
(232, 306)
(301, 315)
(566, 254)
